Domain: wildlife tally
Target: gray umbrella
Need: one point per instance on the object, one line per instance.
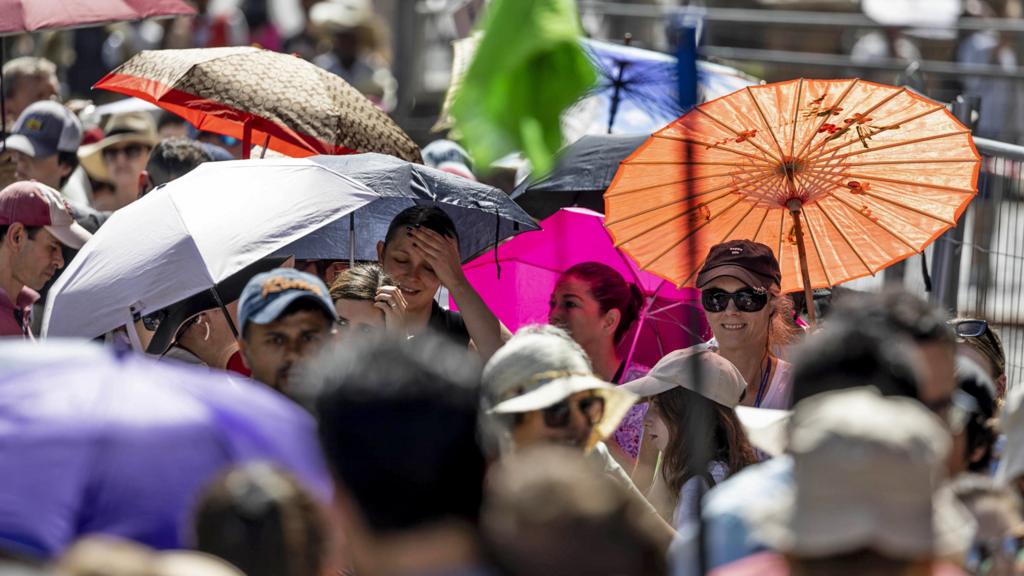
(483, 215)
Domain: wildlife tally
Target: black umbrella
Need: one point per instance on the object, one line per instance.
(583, 170)
(483, 215)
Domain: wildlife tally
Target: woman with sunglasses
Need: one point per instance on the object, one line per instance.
(539, 390)
(683, 414)
(750, 318)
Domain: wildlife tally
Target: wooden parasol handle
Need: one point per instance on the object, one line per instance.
(795, 207)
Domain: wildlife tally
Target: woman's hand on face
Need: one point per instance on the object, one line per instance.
(391, 301)
(441, 253)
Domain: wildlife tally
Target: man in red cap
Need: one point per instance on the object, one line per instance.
(34, 222)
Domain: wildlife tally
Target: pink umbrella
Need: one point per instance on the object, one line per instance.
(531, 263)
(32, 15)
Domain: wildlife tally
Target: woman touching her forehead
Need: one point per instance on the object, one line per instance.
(421, 253)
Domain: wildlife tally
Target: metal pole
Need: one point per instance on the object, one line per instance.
(405, 59)
(947, 249)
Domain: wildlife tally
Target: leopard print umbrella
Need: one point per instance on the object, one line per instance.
(262, 97)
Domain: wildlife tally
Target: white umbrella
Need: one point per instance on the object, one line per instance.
(189, 235)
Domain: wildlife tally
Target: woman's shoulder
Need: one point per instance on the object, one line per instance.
(448, 322)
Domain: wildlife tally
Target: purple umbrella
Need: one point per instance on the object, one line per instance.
(122, 445)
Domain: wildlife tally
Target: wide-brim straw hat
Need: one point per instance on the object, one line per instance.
(121, 128)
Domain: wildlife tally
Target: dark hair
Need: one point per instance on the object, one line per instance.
(173, 158)
(848, 355)
(611, 292)
(360, 282)
(30, 231)
(67, 159)
(686, 412)
(263, 521)
(398, 427)
(429, 217)
(548, 512)
(980, 429)
(896, 312)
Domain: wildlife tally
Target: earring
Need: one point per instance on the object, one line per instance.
(206, 336)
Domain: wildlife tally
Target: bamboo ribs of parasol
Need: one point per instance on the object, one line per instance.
(841, 178)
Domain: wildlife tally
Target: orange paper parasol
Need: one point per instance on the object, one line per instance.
(842, 178)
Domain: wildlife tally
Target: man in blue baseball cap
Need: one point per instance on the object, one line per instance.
(45, 143)
(285, 316)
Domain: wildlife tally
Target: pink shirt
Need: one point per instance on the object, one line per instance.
(9, 311)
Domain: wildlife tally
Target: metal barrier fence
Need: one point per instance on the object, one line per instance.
(990, 243)
(984, 276)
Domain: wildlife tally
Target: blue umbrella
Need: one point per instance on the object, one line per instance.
(92, 441)
(637, 90)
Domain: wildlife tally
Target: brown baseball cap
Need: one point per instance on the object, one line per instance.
(750, 262)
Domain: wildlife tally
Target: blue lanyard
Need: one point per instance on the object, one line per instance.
(762, 390)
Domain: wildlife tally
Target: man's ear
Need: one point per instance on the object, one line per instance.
(380, 252)
(16, 235)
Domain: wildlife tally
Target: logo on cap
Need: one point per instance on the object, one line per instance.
(34, 124)
(281, 284)
(734, 250)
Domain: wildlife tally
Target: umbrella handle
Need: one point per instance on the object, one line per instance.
(795, 207)
(133, 334)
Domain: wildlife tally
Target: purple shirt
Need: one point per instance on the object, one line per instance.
(10, 312)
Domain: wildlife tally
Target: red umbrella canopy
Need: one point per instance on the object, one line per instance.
(31, 15)
(260, 96)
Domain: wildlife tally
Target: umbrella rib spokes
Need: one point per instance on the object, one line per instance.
(823, 119)
(670, 183)
(912, 162)
(716, 146)
(760, 225)
(865, 114)
(830, 152)
(817, 247)
(689, 235)
(730, 188)
(796, 112)
(764, 119)
(857, 210)
(846, 238)
(943, 187)
(903, 205)
(738, 133)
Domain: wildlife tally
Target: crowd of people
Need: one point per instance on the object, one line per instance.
(885, 439)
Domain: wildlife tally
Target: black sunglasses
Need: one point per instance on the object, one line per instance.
(559, 415)
(971, 328)
(746, 299)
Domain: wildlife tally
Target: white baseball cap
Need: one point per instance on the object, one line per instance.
(720, 381)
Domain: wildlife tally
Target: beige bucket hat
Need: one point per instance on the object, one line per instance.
(869, 473)
(127, 127)
(541, 366)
